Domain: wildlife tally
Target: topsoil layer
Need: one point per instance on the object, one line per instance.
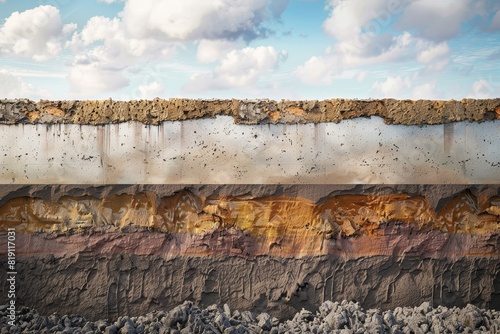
(406, 112)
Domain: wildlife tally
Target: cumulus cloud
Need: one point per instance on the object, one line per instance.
(361, 76)
(402, 87)
(194, 19)
(344, 55)
(210, 51)
(87, 77)
(427, 91)
(364, 35)
(115, 44)
(483, 89)
(439, 21)
(151, 90)
(36, 33)
(392, 87)
(431, 52)
(350, 18)
(148, 31)
(319, 70)
(360, 30)
(104, 50)
(12, 87)
(239, 68)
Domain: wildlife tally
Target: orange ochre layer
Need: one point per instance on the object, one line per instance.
(185, 212)
(247, 225)
(272, 216)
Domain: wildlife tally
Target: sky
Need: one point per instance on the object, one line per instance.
(276, 49)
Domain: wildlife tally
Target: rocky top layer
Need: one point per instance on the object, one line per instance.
(407, 112)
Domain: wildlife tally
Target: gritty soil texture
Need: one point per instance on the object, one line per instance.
(96, 285)
(98, 112)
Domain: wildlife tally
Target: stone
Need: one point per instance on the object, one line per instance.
(264, 321)
(112, 329)
(128, 328)
(178, 315)
(389, 319)
(336, 320)
(471, 317)
(222, 322)
(227, 310)
(424, 308)
(248, 317)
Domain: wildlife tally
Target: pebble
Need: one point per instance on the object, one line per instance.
(331, 317)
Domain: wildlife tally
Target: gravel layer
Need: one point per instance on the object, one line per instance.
(344, 317)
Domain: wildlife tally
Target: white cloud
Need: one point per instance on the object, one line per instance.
(345, 55)
(400, 87)
(394, 87)
(37, 33)
(319, 70)
(194, 19)
(359, 28)
(92, 78)
(104, 50)
(110, 1)
(427, 91)
(437, 20)
(117, 45)
(364, 36)
(361, 76)
(432, 52)
(12, 87)
(210, 51)
(147, 31)
(483, 89)
(352, 18)
(239, 68)
(152, 90)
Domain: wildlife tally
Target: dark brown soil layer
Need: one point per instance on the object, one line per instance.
(99, 286)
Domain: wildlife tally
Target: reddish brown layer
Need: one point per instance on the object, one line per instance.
(388, 240)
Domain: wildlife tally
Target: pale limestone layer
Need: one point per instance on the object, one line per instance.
(248, 111)
(217, 151)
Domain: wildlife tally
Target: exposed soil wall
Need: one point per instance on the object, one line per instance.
(110, 250)
(214, 227)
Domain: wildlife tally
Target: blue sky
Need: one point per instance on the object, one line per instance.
(278, 49)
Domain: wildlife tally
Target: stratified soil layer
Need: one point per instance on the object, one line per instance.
(155, 111)
(117, 249)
